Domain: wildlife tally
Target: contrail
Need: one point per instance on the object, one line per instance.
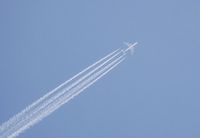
(60, 95)
(51, 108)
(69, 87)
(15, 119)
(28, 118)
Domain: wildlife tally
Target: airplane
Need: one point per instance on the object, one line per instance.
(131, 46)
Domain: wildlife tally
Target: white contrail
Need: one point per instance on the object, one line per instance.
(17, 117)
(27, 109)
(46, 112)
(42, 107)
(29, 115)
(51, 108)
(30, 118)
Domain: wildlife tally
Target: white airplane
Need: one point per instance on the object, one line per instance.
(130, 46)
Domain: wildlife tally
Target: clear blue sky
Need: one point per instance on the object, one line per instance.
(153, 94)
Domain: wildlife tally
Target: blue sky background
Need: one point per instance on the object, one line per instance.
(153, 94)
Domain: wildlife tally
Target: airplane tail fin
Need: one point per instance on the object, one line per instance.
(131, 46)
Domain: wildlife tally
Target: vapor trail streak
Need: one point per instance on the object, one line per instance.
(60, 95)
(17, 117)
(51, 108)
(28, 117)
(27, 109)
